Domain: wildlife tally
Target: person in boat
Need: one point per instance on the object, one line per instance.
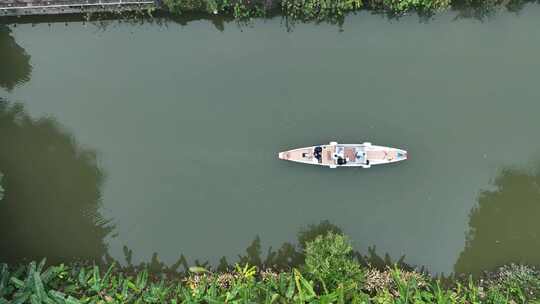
(317, 153)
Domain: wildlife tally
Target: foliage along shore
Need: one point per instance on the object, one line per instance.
(329, 274)
(332, 10)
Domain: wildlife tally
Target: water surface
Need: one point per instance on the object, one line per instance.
(171, 133)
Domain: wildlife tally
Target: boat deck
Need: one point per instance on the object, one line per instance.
(382, 155)
(327, 153)
(306, 155)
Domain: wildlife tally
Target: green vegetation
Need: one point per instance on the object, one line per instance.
(319, 10)
(329, 262)
(330, 275)
(238, 9)
(334, 10)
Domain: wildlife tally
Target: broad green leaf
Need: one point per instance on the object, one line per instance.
(48, 274)
(290, 290)
(82, 277)
(108, 273)
(72, 300)
(96, 281)
(21, 298)
(198, 269)
(34, 299)
(18, 283)
(41, 265)
(31, 270)
(142, 279)
(57, 295)
(38, 287)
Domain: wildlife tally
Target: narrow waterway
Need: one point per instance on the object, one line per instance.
(163, 137)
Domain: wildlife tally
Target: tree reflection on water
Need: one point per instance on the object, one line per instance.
(53, 191)
(286, 256)
(14, 61)
(53, 196)
(504, 227)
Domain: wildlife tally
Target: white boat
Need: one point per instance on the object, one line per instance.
(336, 155)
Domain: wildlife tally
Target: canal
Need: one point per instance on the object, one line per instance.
(163, 138)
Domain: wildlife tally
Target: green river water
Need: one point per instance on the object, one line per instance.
(164, 137)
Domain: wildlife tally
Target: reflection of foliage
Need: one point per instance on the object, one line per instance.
(287, 256)
(292, 255)
(504, 227)
(154, 266)
(313, 231)
(51, 208)
(373, 259)
(14, 61)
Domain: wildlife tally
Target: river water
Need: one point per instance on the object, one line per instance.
(163, 138)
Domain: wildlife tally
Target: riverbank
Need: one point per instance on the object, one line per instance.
(334, 11)
(294, 10)
(329, 274)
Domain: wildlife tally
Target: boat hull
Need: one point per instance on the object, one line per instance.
(335, 155)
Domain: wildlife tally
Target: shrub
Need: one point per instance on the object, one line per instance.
(319, 10)
(329, 262)
(518, 282)
(400, 6)
(182, 6)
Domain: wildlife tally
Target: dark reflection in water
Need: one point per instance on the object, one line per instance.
(52, 197)
(15, 67)
(505, 225)
(50, 207)
(287, 255)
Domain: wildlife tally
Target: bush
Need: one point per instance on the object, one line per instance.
(319, 10)
(329, 261)
(399, 6)
(181, 6)
(518, 282)
(239, 9)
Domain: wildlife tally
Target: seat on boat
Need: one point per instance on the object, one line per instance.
(350, 154)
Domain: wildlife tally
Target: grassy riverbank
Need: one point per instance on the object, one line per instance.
(329, 274)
